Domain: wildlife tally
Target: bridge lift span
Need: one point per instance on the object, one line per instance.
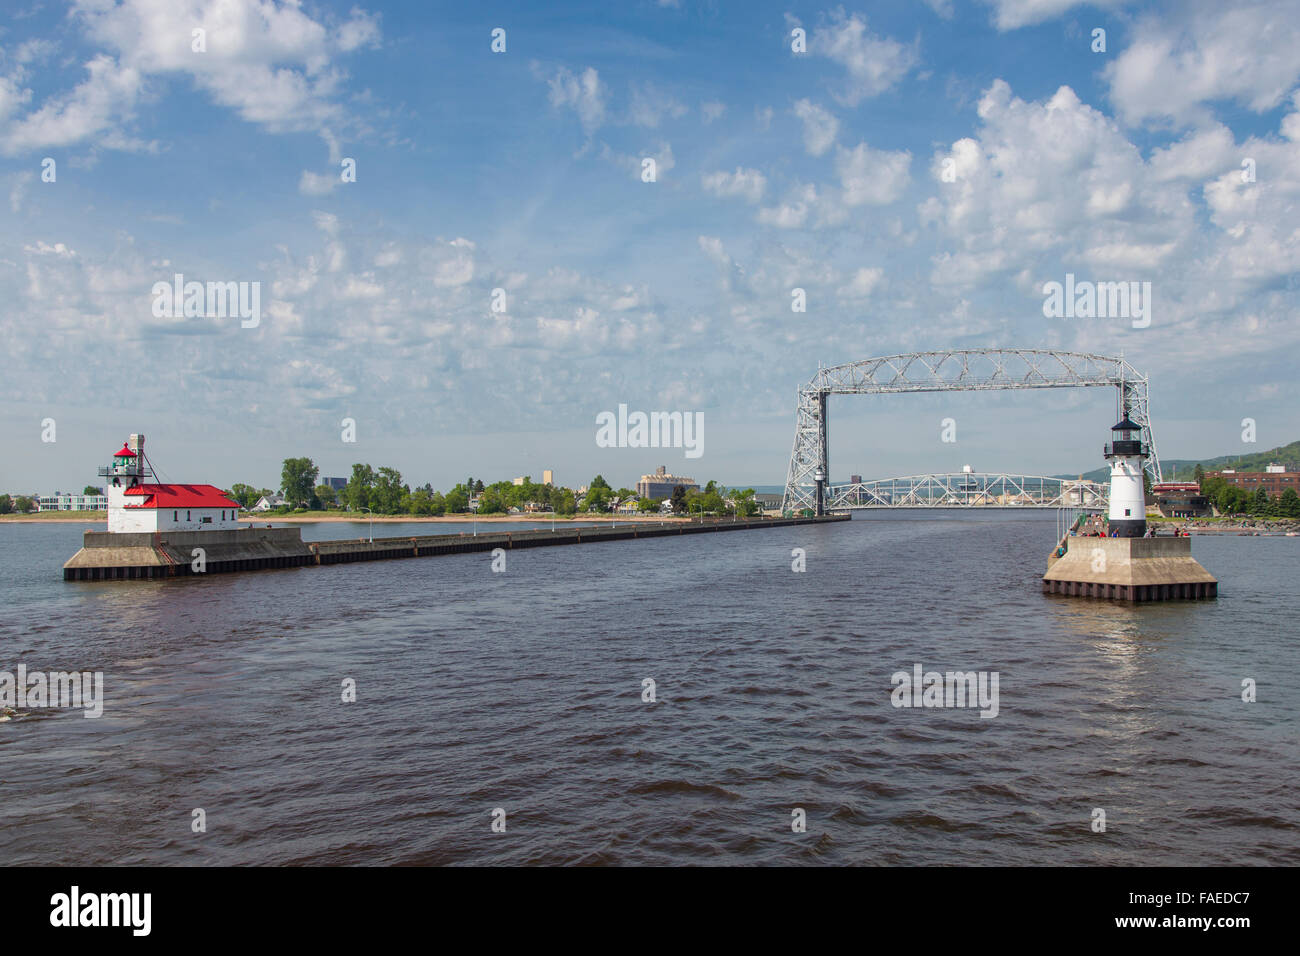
(951, 370)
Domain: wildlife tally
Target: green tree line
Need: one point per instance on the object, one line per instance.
(383, 491)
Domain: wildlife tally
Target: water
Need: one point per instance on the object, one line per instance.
(522, 690)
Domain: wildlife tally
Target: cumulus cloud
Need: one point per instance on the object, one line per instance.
(580, 92)
(748, 184)
(271, 63)
(871, 177)
(793, 212)
(820, 127)
(874, 63)
(1012, 14)
(1206, 52)
(316, 184)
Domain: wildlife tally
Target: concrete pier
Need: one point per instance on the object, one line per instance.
(113, 556)
(1129, 569)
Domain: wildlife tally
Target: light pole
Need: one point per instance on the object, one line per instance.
(372, 525)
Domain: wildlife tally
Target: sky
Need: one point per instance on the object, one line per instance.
(920, 170)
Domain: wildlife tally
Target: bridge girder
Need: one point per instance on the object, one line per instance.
(951, 370)
(964, 489)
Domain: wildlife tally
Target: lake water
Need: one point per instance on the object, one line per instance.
(522, 690)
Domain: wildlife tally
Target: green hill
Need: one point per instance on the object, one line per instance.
(1181, 469)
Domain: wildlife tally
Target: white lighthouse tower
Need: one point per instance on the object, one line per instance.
(1127, 455)
(127, 471)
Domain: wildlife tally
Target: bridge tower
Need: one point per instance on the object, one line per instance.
(944, 371)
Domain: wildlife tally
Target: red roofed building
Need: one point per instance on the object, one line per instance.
(135, 505)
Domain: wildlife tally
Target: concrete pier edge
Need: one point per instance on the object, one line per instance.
(117, 556)
(1129, 569)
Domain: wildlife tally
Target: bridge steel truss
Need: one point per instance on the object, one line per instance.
(946, 371)
(965, 489)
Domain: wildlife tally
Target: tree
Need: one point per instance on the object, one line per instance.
(1199, 473)
(246, 495)
(745, 504)
(457, 501)
(357, 493)
(22, 504)
(6, 504)
(297, 479)
(1259, 503)
(1289, 503)
(647, 505)
(92, 490)
(679, 499)
(325, 496)
(387, 494)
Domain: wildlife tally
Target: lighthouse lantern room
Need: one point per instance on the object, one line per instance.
(135, 505)
(1127, 456)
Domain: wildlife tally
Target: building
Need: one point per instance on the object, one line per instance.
(338, 484)
(1274, 480)
(1180, 499)
(548, 477)
(136, 505)
(660, 485)
(62, 501)
(267, 502)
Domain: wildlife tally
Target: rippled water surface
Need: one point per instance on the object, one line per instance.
(523, 690)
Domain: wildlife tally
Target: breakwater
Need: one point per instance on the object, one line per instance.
(115, 556)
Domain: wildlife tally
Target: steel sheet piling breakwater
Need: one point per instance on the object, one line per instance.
(113, 557)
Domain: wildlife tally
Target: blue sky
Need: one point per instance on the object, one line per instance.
(522, 171)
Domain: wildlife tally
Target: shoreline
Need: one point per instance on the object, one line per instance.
(378, 519)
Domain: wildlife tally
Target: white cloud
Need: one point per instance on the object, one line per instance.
(1012, 14)
(862, 283)
(582, 93)
(106, 97)
(711, 110)
(820, 127)
(1205, 52)
(748, 184)
(874, 63)
(650, 106)
(316, 184)
(270, 62)
(872, 176)
(792, 213)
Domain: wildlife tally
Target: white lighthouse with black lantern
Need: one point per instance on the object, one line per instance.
(1127, 457)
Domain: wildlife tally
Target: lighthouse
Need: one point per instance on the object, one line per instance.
(135, 505)
(1126, 455)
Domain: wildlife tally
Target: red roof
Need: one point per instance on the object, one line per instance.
(124, 453)
(180, 496)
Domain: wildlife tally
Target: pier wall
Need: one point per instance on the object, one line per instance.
(108, 556)
(1129, 569)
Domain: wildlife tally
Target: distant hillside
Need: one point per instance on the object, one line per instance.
(1180, 469)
